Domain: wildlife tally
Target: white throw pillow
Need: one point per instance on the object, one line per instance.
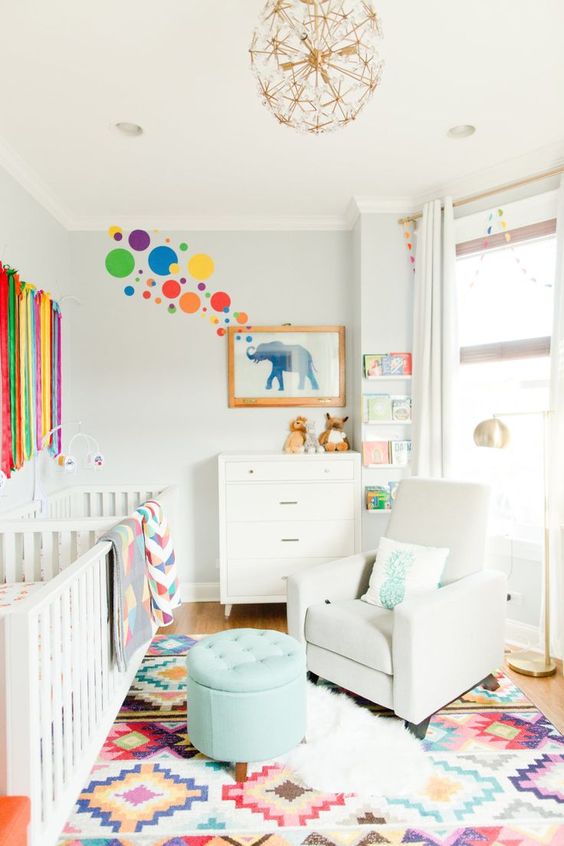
(404, 570)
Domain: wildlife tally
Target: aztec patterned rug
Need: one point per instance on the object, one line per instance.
(497, 780)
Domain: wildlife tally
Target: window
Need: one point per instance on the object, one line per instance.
(505, 297)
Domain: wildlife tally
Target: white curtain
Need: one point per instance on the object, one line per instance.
(556, 445)
(435, 342)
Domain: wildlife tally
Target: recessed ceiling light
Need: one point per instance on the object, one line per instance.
(131, 129)
(463, 130)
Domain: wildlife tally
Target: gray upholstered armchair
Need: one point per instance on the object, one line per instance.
(427, 651)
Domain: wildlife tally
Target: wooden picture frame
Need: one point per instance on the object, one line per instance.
(302, 366)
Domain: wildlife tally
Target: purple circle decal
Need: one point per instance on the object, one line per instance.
(139, 239)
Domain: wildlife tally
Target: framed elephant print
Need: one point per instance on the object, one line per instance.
(287, 365)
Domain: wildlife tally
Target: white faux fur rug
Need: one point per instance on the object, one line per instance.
(350, 750)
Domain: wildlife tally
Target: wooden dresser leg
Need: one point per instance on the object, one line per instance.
(240, 772)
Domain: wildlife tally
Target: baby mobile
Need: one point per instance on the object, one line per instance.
(30, 372)
(169, 277)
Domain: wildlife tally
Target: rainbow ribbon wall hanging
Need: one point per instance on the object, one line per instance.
(30, 370)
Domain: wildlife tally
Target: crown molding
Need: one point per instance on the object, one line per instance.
(519, 167)
(19, 170)
(377, 205)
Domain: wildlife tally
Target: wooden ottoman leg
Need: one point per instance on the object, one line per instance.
(240, 772)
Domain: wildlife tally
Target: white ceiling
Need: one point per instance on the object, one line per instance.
(211, 151)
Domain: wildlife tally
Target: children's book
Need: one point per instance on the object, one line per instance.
(378, 408)
(399, 364)
(401, 409)
(377, 498)
(374, 366)
(400, 452)
(376, 452)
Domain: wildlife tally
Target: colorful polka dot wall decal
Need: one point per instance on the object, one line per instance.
(139, 240)
(160, 260)
(158, 256)
(220, 301)
(171, 289)
(119, 263)
(201, 267)
(189, 302)
(115, 232)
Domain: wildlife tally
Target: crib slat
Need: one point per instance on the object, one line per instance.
(83, 663)
(104, 624)
(90, 652)
(58, 754)
(10, 571)
(29, 558)
(97, 638)
(75, 637)
(49, 542)
(67, 681)
(45, 709)
(65, 549)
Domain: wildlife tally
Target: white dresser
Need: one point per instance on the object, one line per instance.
(280, 513)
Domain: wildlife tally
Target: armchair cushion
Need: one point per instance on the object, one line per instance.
(355, 629)
(404, 570)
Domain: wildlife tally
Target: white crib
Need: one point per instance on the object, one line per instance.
(59, 687)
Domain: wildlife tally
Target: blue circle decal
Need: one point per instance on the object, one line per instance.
(160, 260)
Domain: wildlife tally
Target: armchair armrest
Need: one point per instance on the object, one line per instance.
(345, 578)
(447, 642)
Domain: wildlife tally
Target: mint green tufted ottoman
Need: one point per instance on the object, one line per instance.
(246, 696)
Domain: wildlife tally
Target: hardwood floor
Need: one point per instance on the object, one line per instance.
(208, 617)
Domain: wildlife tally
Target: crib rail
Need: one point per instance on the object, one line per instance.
(88, 501)
(64, 689)
(37, 550)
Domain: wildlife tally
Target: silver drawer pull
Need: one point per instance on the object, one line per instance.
(288, 502)
(290, 540)
(251, 471)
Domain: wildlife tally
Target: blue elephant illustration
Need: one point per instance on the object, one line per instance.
(285, 358)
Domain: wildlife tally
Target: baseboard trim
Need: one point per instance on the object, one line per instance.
(199, 591)
(522, 634)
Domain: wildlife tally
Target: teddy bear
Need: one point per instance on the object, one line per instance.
(312, 444)
(297, 437)
(334, 437)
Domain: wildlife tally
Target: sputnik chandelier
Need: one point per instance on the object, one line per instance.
(316, 61)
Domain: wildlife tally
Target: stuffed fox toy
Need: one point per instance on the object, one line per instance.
(334, 437)
(297, 437)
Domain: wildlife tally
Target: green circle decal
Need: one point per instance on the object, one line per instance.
(120, 263)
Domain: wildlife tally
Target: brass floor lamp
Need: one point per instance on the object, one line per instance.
(495, 434)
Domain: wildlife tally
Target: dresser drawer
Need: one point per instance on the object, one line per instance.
(251, 502)
(249, 577)
(296, 468)
(291, 539)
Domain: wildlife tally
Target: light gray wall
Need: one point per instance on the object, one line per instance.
(152, 387)
(39, 248)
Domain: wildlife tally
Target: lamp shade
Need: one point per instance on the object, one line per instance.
(492, 433)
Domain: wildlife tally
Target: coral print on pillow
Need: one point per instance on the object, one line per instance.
(404, 570)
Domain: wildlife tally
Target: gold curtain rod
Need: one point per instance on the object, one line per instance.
(508, 186)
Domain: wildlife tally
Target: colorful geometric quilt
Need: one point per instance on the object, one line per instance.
(162, 572)
(497, 779)
(131, 613)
